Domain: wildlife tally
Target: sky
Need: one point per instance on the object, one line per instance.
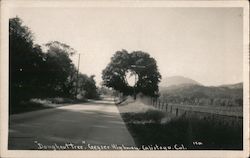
(204, 44)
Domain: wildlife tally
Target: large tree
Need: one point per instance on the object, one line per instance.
(138, 62)
(60, 71)
(40, 73)
(86, 87)
(26, 59)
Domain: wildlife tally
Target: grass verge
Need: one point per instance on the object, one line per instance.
(40, 104)
(193, 133)
(28, 106)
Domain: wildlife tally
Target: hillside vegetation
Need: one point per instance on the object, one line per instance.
(194, 94)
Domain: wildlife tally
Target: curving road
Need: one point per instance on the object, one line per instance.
(91, 125)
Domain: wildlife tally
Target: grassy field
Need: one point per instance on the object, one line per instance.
(148, 128)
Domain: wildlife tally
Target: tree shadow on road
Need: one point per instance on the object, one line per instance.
(61, 125)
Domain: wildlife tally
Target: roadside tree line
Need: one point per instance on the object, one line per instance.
(43, 71)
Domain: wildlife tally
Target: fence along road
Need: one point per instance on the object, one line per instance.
(226, 111)
(229, 115)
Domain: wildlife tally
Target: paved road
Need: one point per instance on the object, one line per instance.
(97, 123)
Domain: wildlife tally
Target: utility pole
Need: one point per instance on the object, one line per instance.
(77, 75)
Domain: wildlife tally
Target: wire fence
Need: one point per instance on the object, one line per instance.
(178, 109)
(231, 116)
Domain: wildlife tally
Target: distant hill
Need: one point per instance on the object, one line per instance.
(195, 93)
(203, 91)
(177, 81)
(233, 86)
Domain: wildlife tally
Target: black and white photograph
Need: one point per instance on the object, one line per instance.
(124, 76)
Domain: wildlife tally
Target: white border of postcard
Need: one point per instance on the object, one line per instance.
(7, 4)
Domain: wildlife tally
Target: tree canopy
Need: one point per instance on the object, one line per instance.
(40, 73)
(26, 59)
(138, 62)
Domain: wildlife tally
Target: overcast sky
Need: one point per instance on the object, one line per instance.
(204, 44)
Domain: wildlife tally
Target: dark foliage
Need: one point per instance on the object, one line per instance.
(137, 62)
(35, 73)
(87, 87)
(26, 59)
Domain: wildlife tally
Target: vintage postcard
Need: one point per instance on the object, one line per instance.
(124, 78)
